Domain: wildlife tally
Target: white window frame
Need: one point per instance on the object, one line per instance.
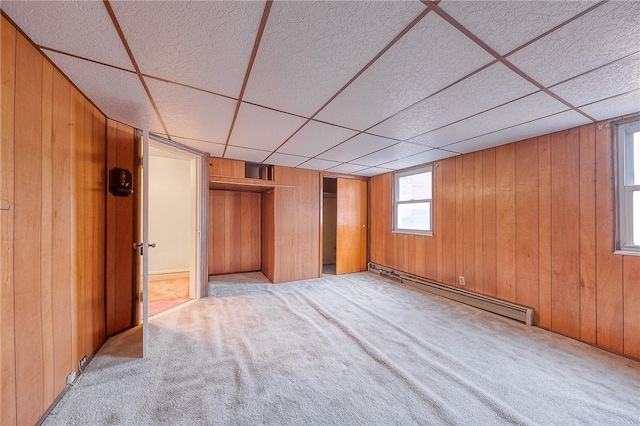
(623, 193)
(396, 177)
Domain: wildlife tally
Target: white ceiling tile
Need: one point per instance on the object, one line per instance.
(603, 35)
(192, 113)
(505, 25)
(628, 103)
(620, 77)
(205, 44)
(82, 28)
(309, 50)
(278, 159)
(430, 56)
(215, 149)
(315, 138)
(119, 94)
(422, 158)
(317, 164)
(362, 144)
(554, 123)
(262, 128)
(486, 89)
(526, 109)
(246, 154)
(372, 171)
(395, 152)
(346, 168)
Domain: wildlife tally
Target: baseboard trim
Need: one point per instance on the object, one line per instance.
(168, 275)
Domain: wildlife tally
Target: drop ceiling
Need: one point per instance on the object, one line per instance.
(351, 87)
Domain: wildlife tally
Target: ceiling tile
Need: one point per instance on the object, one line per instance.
(262, 128)
(119, 94)
(246, 154)
(395, 152)
(372, 171)
(627, 103)
(554, 123)
(205, 44)
(315, 138)
(430, 56)
(278, 159)
(505, 25)
(362, 144)
(317, 164)
(215, 149)
(422, 158)
(314, 48)
(346, 168)
(620, 77)
(82, 28)
(526, 109)
(603, 35)
(486, 89)
(192, 113)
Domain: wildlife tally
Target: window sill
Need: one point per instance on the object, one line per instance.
(421, 233)
(627, 252)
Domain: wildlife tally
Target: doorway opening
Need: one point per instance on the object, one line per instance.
(173, 227)
(329, 222)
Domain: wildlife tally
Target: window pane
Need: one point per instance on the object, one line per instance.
(414, 216)
(636, 218)
(414, 187)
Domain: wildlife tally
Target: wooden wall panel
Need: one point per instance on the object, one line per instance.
(587, 281)
(297, 225)
(267, 243)
(226, 167)
(61, 232)
(506, 222)
(27, 233)
(235, 222)
(527, 223)
(489, 261)
(7, 179)
(543, 316)
(541, 234)
(49, 206)
(609, 276)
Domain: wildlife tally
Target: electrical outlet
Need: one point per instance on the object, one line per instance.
(461, 280)
(82, 363)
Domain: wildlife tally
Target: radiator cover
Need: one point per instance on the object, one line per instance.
(514, 311)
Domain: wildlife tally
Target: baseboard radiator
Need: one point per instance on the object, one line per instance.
(507, 309)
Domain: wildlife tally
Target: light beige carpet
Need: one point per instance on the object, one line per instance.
(351, 349)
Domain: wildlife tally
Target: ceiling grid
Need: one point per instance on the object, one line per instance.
(358, 88)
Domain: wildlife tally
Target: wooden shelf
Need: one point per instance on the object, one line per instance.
(228, 183)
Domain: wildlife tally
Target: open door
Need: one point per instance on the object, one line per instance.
(351, 226)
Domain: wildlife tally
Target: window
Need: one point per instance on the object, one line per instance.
(627, 170)
(412, 205)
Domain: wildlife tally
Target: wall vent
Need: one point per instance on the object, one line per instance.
(497, 306)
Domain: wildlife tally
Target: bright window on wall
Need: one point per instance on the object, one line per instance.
(412, 201)
(627, 169)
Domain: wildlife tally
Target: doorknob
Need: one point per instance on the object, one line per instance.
(140, 246)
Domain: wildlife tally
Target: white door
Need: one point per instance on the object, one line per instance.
(145, 243)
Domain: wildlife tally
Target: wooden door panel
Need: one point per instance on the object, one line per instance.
(351, 226)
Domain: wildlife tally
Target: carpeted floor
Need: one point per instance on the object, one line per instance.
(350, 349)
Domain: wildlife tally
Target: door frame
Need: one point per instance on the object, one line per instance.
(202, 164)
(343, 176)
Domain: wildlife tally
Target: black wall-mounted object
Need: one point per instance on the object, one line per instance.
(120, 182)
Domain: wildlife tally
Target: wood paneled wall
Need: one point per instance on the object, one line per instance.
(234, 227)
(529, 222)
(296, 225)
(52, 226)
(121, 280)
